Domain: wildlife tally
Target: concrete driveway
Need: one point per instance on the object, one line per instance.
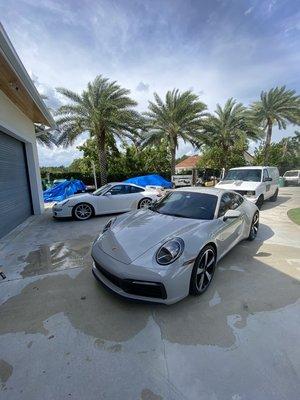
(62, 336)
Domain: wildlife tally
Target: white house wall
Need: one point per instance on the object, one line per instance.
(15, 123)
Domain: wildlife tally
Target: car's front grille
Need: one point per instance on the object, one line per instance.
(135, 287)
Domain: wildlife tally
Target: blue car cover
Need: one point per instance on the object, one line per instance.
(63, 190)
(153, 180)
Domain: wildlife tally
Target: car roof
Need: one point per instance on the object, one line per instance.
(253, 167)
(125, 183)
(197, 189)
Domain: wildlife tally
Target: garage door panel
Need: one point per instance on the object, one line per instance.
(15, 199)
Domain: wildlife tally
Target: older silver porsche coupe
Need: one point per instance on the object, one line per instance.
(169, 251)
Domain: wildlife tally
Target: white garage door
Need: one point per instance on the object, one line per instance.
(15, 199)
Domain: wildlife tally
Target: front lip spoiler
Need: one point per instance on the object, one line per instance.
(121, 296)
(134, 287)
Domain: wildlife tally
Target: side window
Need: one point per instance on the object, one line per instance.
(134, 189)
(265, 175)
(239, 199)
(119, 189)
(236, 200)
(225, 204)
(229, 201)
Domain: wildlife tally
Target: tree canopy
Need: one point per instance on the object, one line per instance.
(179, 116)
(278, 106)
(104, 109)
(225, 134)
(285, 154)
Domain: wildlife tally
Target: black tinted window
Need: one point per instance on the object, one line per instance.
(120, 189)
(238, 200)
(225, 204)
(229, 201)
(187, 205)
(135, 189)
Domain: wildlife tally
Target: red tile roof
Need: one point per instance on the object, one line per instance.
(190, 162)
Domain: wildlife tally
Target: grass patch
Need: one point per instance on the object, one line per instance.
(294, 215)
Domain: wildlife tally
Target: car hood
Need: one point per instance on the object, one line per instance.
(238, 185)
(139, 231)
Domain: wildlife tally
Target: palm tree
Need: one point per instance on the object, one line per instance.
(178, 117)
(48, 138)
(104, 110)
(278, 106)
(291, 145)
(229, 126)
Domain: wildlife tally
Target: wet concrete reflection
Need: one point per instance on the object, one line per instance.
(55, 257)
(251, 287)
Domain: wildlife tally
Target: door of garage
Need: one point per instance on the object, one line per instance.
(15, 198)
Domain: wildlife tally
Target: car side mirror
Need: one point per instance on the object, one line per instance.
(268, 179)
(230, 214)
(107, 194)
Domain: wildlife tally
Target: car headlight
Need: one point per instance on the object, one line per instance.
(108, 225)
(170, 251)
(250, 193)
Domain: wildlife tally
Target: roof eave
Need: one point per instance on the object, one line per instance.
(19, 69)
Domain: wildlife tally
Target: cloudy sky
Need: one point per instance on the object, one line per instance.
(218, 48)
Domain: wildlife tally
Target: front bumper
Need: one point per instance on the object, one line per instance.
(132, 286)
(61, 212)
(253, 199)
(138, 282)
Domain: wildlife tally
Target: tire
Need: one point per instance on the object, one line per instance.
(260, 201)
(203, 271)
(146, 202)
(275, 195)
(82, 211)
(254, 227)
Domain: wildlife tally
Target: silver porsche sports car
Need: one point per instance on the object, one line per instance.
(170, 250)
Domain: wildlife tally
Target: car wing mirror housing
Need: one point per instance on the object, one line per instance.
(231, 214)
(107, 194)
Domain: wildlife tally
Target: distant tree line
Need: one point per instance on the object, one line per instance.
(123, 141)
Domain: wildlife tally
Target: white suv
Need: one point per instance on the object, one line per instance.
(255, 183)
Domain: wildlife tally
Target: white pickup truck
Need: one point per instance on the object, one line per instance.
(255, 183)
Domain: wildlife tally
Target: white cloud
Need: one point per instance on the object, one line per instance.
(232, 64)
(59, 155)
(142, 87)
(248, 11)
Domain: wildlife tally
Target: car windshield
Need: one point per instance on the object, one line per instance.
(187, 205)
(252, 175)
(291, 173)
(101, 190)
